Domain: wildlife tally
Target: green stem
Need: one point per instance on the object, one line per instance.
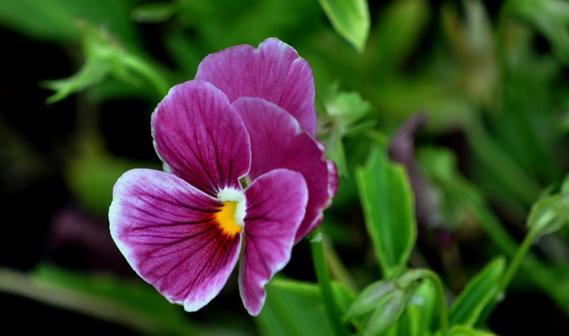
(517, 260)
(442, 300)
(516, 263)
(325, 284)
(337, 268)
(153, 76)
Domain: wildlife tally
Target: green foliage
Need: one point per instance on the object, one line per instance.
(551, 212)
(350, 18)
(398, 31)
(56, 20)
(368, 298)
(477, 294)
(130, 302)
(550, 17)
(105, 58)
(295, 308)
(345, 111)
(388, 310)
(497, 100)
(387, 201)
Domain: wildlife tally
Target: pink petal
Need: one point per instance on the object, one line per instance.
(201, 138)
(166, 230)
(277, 141)
(273, 71)
(275, 207)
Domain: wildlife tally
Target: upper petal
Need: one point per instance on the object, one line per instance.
(276, 204)
(201, 138)
(277, 141)
(167, 231)
(273, 71)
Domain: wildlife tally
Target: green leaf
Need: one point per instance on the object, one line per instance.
(92, 73)
(550, 17)
(477, 294)
(55, 20)
(387, 312)
(369, 298)
(549, 214)
(398, 31)
(419, 314)
(344, 110)
(128, 302)
(106, 58)
(154, 12)
(565, 185)
(296, 308)
(350, 18)
(387, 201)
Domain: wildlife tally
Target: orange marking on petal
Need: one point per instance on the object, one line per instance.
(225, 218)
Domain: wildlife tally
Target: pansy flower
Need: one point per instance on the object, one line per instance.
(244, 178)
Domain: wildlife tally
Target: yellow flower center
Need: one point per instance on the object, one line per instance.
(226, 218)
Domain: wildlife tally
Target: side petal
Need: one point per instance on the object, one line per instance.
(275, 208)
(167, 231)
(200, 137)
(277, 141)
(273, 71)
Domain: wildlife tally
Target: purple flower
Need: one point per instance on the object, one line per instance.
(248, 115)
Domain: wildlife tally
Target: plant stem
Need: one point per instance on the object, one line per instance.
(337, 268)
(516, 263)
(153, 76)
(325, 284)
(517, 260)
(442, 300)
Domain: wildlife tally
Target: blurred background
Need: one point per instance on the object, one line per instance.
(472, 97)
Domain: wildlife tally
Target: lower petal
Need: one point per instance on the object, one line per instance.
(167, 231)
(276, 203)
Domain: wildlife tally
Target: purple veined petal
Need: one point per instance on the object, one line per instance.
(276, 202)
(277, 141)
(274, 71)
(167, 231)
(200, 137)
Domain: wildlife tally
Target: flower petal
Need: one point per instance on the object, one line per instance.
(201, 138)
(166, 230)
(273, 71)
(276, 202)
(277, 141)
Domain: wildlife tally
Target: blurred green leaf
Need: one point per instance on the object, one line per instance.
(387, 312)
(417, 319)
(56, 19)
(350, 18)
(478, 293)
(399, 29)
(131, 303)
(369, 298)
(387, 201)
(423, 306)
(154, 11)
(105, 58)
(565, 185)
(344, 110)
(550, 17)
(296, 308)
(549, 214)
